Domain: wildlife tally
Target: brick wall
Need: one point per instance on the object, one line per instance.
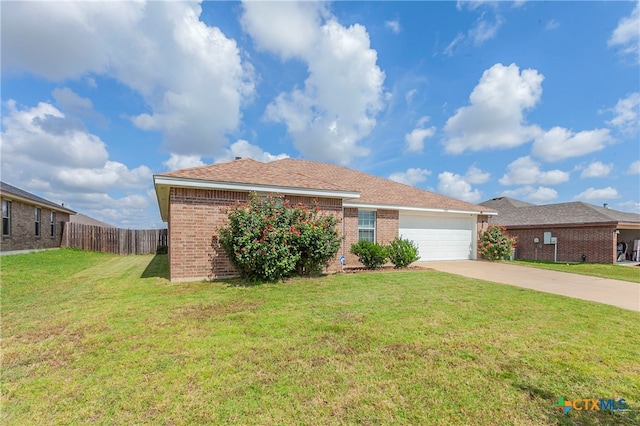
(598, 243)
(387, 222)
(195, 217)
(22, 226)
(483, 222)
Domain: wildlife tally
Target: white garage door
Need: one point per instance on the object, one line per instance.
(439, 237)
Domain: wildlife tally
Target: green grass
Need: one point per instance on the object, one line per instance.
(615, 272)
(93, 338)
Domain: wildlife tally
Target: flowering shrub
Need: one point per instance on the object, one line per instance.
(402, 252)
(371, 255)
(269, 239)
(495, 243)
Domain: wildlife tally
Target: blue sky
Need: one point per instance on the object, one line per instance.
(534, 100)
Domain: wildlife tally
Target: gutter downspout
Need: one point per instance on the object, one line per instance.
(343, 237)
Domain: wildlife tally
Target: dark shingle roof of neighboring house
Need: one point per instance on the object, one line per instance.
(11, 192)
(358, 188)
(86, 220)
(517, 213)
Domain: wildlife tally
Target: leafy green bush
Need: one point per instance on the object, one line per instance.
(162, 250)
(371, 255)
(270, 239)
(403, 252)
(495, 243)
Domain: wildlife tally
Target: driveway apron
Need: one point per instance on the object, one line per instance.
(622, 294)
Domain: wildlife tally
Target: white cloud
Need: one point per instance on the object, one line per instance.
(495, 116)
(475, 4)
(177, 162)
(560, 143)
(190, 75)
(593, 194)
(537, 195)
(476, 176)
(552, 25)
(414, 141)
(484, 30)
(634, 168)
(525, 171)
(457, 186)
(287, 28)
(77, 109)
(343, 93)
(629, 206)
(410, 95)
(70, 101)
(626, 36)
(244, 149)
(485, 27)
(597, 169)
(112, 175)
(411, 176)
(394, 26)
(626, 114)
(451, 47)
(43, 152)
(44, 134)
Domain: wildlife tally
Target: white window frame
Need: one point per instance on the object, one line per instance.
(366, 227)
(6, 214)
(52, 217)
(38, 213)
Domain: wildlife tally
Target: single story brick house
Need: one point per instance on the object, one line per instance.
(193, 202)
(30, 222)
(566, 232)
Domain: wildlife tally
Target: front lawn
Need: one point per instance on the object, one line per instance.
(614, 272)
(94, 338)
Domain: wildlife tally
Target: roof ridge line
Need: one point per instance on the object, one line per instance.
(598, 210)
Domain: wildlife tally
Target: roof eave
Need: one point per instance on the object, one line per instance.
(416, 209)
(562, 225)
(163, 183)
(50, 206)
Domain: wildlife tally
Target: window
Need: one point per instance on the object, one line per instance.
(6, 218)
(366, 225)
(53, 224)
(37, 222)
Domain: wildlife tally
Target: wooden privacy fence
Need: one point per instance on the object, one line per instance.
(113, 240)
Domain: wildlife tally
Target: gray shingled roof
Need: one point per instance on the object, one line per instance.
(87, 220)
(517, 213)
(5, 188)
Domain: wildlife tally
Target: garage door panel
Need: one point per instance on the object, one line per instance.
(439, 238)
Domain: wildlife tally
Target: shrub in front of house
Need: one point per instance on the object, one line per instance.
(495, 243)
(371, 255)
(268, 239)
(402, 252)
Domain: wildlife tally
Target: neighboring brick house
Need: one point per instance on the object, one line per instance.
(579, 229)
(30, 222)
(193, 202)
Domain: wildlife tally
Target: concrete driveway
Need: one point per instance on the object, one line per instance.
(622, 294)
